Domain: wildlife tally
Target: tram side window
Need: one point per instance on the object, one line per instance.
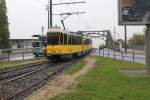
(86, 41)
(65, 39)
(80, 40)
(90, 41)
(76, 40)
(61, 39)
(53, 39)
(73, 40)
(69, 40)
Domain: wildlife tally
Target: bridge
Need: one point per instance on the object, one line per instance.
(103, 35)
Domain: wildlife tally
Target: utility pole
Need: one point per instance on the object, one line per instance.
(48, 6)
(50, 10)
(147, 47)
(42, 30)
(42, 37)
(114, 33)
(51, 14)
(125, 31)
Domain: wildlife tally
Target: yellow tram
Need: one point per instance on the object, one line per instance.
(61, 43)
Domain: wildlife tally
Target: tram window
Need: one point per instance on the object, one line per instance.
(65, 39)
(75, 40)
(53, 39)
(69, 40)
(90, 41)
(72, 39)
(80, 40)
(84, 41)
(61, 39)
(87, 41)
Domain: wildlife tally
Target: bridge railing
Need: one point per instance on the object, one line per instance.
(134, 56)
(7, 54)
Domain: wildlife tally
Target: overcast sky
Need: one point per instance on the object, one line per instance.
(26, 17)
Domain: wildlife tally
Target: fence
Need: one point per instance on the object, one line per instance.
(119, 55)
(7, 54)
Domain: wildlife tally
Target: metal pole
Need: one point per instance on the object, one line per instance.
(108, 53)
(8, 56)
(133, 57)
(42, 29)
(125, 29)
(114, 55)
(23, 54)
(114, 33)
(147, 47)
(100, 52)
(103, 53)
(51, 13)
(48, 14)
(122, 55)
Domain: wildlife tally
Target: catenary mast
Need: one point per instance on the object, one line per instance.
(50, 11)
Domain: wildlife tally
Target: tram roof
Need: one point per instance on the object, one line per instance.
(58, 30)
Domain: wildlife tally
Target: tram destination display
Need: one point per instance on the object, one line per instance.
(134, 12)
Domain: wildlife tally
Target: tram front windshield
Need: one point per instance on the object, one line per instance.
(53, 39)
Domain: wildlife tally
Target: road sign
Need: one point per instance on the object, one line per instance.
(134, 12)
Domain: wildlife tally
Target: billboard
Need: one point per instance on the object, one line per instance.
(134, 12)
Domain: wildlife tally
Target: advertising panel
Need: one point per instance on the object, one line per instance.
(134, 12)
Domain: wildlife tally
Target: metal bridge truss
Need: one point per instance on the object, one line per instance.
(103, 35)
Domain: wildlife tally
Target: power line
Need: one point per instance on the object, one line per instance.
(66, 15)
(67, 3)
(73, 13)
(50, 11)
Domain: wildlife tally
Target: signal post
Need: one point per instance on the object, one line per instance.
(147, 47)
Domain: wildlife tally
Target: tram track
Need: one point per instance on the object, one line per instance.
(13, 73)
(24, 85)
(3, 71)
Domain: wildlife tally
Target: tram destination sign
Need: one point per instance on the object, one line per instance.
(134, 12)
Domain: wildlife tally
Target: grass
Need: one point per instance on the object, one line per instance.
(104, 82)
(76, 67)
(14, 64)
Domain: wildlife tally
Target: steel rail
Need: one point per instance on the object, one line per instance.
(24, 75)
(49, 77)
(25, 66)
(15, 75)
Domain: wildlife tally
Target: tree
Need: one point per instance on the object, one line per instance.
(4, 30)
(137, 39)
